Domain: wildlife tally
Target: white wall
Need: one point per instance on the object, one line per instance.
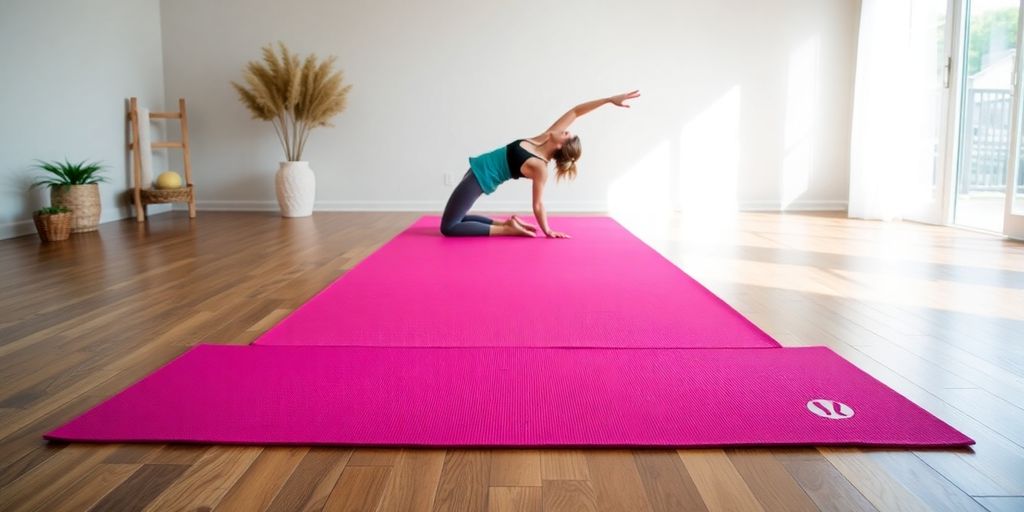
(68, 68)
(746, 104)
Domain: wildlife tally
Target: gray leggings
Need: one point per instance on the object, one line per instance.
(455, 221)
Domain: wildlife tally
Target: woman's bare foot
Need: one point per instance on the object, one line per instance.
(509, 228)
(525, 225)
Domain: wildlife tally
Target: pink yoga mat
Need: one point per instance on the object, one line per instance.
(511, 397)
(602, 288)
(434, 341)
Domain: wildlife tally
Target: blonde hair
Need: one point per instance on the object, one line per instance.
(566, 157)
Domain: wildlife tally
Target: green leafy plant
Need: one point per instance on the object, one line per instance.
(68, 173)
(53, 210)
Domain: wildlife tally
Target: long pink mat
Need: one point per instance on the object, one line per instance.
(511, 396)
(593, 341)
(602, 288)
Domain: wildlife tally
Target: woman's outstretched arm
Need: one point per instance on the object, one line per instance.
(583, 108)
(538, 208)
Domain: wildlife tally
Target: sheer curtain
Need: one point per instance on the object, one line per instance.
(895, 112)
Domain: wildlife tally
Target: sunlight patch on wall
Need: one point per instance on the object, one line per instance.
(692, 172)
(709, 151)
(802, 92)
(644, 193)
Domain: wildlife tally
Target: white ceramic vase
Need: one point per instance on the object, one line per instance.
(296, 189)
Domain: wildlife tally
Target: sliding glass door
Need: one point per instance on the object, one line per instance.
(988, 114)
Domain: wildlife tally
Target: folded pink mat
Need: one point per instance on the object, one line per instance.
(602, 288)
(511, 397)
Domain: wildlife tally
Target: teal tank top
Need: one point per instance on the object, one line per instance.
(491, 169)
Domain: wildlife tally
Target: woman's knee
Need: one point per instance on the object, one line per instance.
(448, 223)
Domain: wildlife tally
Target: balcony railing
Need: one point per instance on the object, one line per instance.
(987, 141)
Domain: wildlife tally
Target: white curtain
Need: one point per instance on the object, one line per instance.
(895, 112)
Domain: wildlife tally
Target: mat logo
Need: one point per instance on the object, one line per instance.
(830, 409)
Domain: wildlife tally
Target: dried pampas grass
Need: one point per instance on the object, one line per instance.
(295, 95)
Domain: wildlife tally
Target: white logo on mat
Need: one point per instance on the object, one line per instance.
(830, 409)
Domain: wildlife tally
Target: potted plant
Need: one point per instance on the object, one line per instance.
(53, 223)
(74, 186)
(295, 95)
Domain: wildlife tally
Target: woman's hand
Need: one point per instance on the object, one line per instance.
(619, 99)
(556, 234)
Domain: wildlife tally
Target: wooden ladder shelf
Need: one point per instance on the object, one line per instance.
(146, 196)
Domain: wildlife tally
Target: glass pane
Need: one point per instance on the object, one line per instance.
(985, 113)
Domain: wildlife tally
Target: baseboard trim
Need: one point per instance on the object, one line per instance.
(831, 205)
(27, 227)
(16, 229)
(494, 206)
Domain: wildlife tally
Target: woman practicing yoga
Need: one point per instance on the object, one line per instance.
(513, 161)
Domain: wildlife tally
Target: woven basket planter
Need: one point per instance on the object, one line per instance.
(84, 203)
(53, 227)
(166, 195)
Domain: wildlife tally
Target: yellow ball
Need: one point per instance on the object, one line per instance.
(169, 179)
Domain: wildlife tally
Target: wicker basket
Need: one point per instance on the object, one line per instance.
(84, 203)
(166, 195)
(53, 227)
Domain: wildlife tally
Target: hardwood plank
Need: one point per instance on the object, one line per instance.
(177, 454)
(312, 481)
(935, 491)
(58, 472)
(569, 496)
(514, 499)
(769, 481)
(667, 481)
(208, 480)
(91, 488)
(515, 468)
(256, 489)
(717, 480)
(132, 454)
(994, 457)
(54, 402)
(141, 488)
(1002, 503)
(413, 482)
(374, 457)
(464, 481)
(822, 482)
(558, 464)
(25, 383)
(616, 480)
(954, 467)
(38, 454)
(883, 491)
(360, 488)
(269, 320)
(988, 409)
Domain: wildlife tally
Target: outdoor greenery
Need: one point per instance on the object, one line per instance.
(988, 30)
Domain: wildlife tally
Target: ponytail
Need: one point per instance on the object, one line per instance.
(566, 157)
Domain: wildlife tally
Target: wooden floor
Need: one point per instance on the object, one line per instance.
(936, 313)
